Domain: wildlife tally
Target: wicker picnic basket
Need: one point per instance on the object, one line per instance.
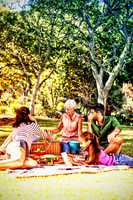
(53, 147)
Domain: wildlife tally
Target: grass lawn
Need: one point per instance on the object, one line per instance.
(113, 185)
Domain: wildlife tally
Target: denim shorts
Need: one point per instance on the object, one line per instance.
(24, 145)
(14, 151)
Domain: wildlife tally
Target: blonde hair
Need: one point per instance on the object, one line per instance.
(70, 103)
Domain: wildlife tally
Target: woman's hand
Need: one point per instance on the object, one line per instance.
(31, 118)
(90, 116)
(48, 135)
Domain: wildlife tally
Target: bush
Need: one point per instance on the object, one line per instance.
(54, 114)
(125, 118)
(3, 109)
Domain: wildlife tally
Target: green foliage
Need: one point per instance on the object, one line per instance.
(116, 97)
(3, 109)
(50, 48)
(125, 117)
(126, 73)
(60, 106)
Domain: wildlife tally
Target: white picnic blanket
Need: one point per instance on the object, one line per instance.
(63, 170)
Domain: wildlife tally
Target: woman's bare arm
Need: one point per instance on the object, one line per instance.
(5, 143)
(58, 129)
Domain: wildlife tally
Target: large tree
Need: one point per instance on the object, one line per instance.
(40, 35)
(82, 34)
(104, 28)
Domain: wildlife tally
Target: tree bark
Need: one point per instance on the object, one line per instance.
(35, 91)
(37, 86)
(103, 90)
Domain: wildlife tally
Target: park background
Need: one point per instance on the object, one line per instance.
(54, 50)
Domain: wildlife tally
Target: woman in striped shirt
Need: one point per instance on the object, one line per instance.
(17, 145)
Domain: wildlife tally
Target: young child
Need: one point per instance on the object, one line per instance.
(98, 156)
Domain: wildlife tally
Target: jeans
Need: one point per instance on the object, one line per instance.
(122, 159)
(66, 147)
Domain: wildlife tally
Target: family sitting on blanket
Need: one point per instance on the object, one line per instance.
(96, 155)
(14, 152)
(106, 130)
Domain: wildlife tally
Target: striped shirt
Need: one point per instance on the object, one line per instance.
(25, 132)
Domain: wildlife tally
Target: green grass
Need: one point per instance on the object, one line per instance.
(113, 185)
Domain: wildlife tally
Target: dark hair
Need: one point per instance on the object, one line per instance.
(22, 116)
(94, 148)
(98, 107)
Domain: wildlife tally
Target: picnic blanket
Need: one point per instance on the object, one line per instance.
(46, 171)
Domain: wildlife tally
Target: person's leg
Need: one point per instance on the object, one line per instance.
(29, 163)
(65, 147)
(17, 152)
(22, 162)
(123, 159)
(112, 148)
(4, 157)
(13, 162)
(115, 146)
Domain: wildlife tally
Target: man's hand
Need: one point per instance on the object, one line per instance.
(112, 135)
(90, 116)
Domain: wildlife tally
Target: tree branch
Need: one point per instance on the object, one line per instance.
(119, 64)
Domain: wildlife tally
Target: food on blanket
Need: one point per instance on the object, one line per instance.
(39, 151)
(48, 159)
(49, 156)
(59, 161)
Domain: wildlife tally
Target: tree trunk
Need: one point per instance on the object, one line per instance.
(103, 90)
(34, 96)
